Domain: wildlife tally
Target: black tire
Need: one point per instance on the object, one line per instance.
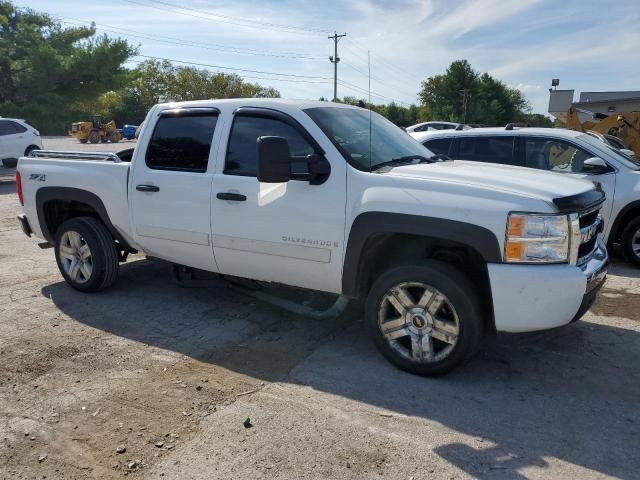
(104, 256)
(83, 140)
(630, 231)
(460, 294)
(94, 136)
(30, 149)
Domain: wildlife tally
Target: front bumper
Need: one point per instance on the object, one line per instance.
(538, 297)
(24, 224)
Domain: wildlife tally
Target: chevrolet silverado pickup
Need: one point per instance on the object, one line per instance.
(330, 198)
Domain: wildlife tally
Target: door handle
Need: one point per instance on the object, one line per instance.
(234, 197)
(147, 188)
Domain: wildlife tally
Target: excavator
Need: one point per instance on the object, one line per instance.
(620, 130)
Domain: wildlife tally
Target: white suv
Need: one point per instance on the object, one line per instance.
(563, 151)
(17, 139)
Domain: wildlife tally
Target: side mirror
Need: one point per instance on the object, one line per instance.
(595, 165)
(628, 152)
(274, 160)
(319, 169)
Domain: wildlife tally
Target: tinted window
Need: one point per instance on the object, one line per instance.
(181, 143)
(555, 155)
(439, 146)
(487, 149)
(7, 128)
(19, 128)
(242, 153)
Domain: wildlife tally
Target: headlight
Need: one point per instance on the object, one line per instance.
(535, 238)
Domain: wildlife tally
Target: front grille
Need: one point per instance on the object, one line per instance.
(588, 218)
(591, 225)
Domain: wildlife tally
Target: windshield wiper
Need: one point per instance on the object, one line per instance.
(406, 160)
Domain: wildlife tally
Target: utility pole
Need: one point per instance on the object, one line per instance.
(335, 59)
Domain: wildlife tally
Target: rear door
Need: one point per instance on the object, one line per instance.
(170, 188)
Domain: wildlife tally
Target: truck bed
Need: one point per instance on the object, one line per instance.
(98, 173)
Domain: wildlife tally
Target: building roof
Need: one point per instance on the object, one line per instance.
(590, 97)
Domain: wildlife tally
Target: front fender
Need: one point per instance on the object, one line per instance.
(371, 223)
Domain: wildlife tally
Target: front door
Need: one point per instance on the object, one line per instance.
(290, 233)
(170, 189)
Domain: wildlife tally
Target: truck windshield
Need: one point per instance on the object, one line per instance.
(366, 144)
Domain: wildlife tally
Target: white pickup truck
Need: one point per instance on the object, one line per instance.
(330, 198)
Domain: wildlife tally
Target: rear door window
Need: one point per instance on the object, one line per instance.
(499, 149)
(182, 143)
(439, 146)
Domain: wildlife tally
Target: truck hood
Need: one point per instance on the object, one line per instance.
(518, 180)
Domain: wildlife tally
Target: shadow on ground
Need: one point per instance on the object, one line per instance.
(570, 394)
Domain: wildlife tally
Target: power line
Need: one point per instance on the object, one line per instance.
(190, 43)
(247, 20)
(271, 79)
(375, 79)
(383, 61)
(170, 7)
(238, 69)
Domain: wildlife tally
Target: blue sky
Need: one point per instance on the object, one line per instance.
(589, 45)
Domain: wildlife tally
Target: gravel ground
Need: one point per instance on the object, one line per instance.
(169, 374)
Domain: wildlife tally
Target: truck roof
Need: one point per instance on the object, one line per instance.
(262, 102)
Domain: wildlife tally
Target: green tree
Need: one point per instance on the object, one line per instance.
(488, 101)
(442, 95)
(47, 72)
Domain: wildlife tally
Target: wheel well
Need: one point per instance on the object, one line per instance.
(621, 222)
(29, 148)
(56, 212)
(385, 250)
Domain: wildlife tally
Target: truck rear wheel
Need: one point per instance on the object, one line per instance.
(631, 241)
(86, 254)
(425, 318)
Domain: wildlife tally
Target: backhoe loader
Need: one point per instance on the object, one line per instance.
(625, 126)
(96, 131)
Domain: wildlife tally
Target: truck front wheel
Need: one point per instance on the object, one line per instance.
(425, 318)
(86, 254)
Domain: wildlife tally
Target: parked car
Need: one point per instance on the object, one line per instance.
(292, 193)
(429, 126)
(17, 139)
(559, 150)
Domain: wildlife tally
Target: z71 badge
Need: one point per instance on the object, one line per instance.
(38, 176)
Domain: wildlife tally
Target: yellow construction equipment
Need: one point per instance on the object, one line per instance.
(96, 131)
(625, 126)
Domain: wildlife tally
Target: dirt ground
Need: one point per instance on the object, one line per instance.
(167, 376)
